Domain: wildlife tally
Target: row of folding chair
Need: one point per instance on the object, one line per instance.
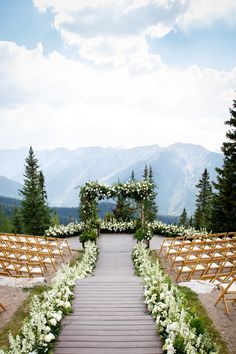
(173, 242)
(44, 257)
(25, 255)
(197, 268)
(16, 268)
(204, 249)
(62, 244)
(30, 250)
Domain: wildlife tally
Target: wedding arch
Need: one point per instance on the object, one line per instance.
(92, 192)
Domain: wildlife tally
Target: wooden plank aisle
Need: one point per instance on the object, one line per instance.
(109, 314)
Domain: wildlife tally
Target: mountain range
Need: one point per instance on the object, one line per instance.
(177, 169)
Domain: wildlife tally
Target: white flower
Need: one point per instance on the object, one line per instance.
(53, 322)
(49, 337)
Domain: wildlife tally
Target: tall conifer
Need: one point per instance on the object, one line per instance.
(34, 210)
(203, 202)
(224, 200)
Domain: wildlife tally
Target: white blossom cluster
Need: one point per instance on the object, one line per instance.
(167, 305)
(71, 229)
(117, 226)
(98, 191)
(160, 228)
(47, 310)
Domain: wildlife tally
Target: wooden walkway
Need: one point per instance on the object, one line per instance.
(109, 313)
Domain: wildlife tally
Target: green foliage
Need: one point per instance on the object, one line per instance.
(34, 209)
(139, 234)
(203, 202)
(198, 324)
(183, 219)
(224, 200)
(179, 344)
(55, 221)
(5, 222)
(202, 322)
(149, 203)
(109, 216)
(17, 223)
(88, 235)
(143, 233)
(123, 210)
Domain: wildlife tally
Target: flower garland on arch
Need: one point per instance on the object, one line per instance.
(93, 191)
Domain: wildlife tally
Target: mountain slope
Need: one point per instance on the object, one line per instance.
(177, 168)
(9, 188)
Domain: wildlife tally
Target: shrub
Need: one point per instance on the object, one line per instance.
(88, 235)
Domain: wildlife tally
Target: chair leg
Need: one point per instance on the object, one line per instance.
(3, 307)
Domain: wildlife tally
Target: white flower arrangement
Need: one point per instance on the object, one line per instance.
(117, 226)
(161, 228)
(167, 306)
(156, 227)
(47, 310)
(71, 229)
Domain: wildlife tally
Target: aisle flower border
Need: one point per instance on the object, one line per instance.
(167, 306)
(46, 311)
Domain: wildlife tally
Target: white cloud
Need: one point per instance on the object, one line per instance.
(52, 101)
(109, 31)
(205, 12)
(158, 31)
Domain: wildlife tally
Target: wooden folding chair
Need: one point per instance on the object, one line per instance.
(227, 293)
(2, 307)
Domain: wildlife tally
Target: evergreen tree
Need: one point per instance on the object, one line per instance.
(150, 207)
(45, 211)
(55, 221)
(123, 210)
(5, 222)
(190, 222)
(152, 198)
(17, 221)
(132, 202)
(203, 202)
(183, 219)
(224, 200)
(132, 177)
(34, 210)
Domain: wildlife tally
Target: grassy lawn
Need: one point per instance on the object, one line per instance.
(196, 307)
(15, 323)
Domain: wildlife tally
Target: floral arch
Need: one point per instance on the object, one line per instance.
(92, 192)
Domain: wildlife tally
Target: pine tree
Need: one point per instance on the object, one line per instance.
(149, 204)
(17, 221)
(45, 211)
(132, 177)
(152, 198)
(34, 210)
(5, 222)
(224, 200)
(132, 202)
(123, 210)
(183, 219)
(203, 202)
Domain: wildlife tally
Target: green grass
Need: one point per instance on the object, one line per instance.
(196, 307)
(77, 257)
(15, 323)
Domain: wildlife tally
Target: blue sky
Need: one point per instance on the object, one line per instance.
(116, 72)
